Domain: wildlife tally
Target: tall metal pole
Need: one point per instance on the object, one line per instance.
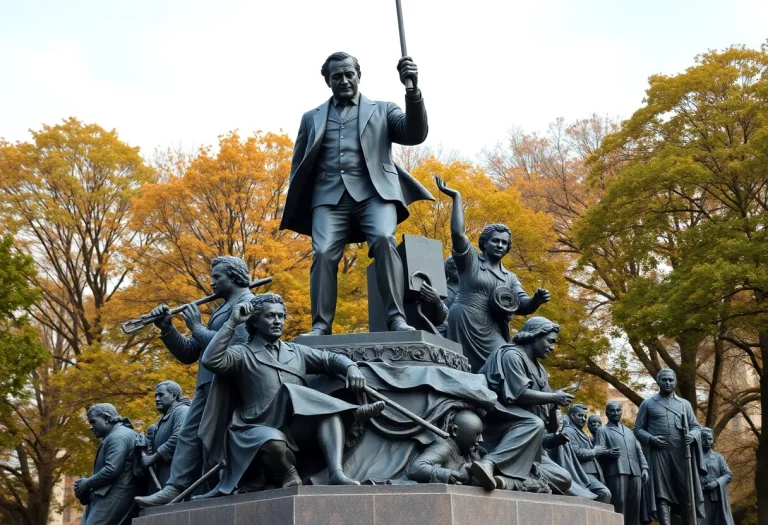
(690, 463)
(403, 48)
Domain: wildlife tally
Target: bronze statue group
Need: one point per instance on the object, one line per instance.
(268, 413)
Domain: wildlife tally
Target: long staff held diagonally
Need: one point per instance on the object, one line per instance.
(214, 470)
(403, 48)
(404, 411)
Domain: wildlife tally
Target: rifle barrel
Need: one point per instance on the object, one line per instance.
(134, 325)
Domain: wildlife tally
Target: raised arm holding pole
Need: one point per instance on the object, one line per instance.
(409, 85)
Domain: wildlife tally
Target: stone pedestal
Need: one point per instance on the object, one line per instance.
(396, 348)
(427, 504)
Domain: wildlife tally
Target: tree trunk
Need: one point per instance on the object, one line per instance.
(686, 377)
(713, 400)
(761, 473)
(45, 494)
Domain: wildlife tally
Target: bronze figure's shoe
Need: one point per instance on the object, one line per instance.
(483, 472)
(316, 330)
(338, 477)
(398, 324)
(215, 493)
(290, 479)
(371, 410)
(157, 499)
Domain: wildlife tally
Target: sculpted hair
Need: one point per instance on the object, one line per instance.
(595, 418)
(460, 407)
(665, 371)
(534, 328)
(612, 404)
(234, 268)
(577, 406)
(337, 57)
(109, 413)
(450, 267)
(489, 230)
(258, 302)
(707, 430)
(172, 387)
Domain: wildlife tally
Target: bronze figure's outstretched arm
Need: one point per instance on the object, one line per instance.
(458, 231)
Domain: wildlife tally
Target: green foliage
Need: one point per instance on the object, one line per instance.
(683, 225)
(20, 348)
(688, 210)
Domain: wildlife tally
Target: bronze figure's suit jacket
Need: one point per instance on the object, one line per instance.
(112, 485)
(379, 125)
(632, 460)
(258, 376)
(584, 449)
(166, 438)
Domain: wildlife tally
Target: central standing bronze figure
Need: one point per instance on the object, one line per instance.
(346, 188)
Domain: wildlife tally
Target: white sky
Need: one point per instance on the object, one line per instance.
(165, 73)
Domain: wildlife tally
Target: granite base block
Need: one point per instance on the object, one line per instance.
(429, 504)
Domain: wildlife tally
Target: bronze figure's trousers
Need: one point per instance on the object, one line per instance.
(187, 464)
(331, 226)
(625, 496)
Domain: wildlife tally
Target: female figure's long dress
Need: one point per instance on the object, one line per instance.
(470, 321)
(514, 432)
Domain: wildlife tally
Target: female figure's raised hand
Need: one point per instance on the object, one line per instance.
(443, 187)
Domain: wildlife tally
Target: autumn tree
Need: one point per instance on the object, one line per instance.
(691, 207)
(68, 195)
(226, 201)
(20, 350)
(20, 355)
(550, 173)
(665, 228)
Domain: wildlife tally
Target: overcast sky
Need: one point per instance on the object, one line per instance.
(165, 73)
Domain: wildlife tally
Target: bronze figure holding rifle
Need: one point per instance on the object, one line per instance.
(230, 280)
(134, 325)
